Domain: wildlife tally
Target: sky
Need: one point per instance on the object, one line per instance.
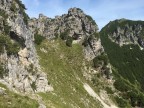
(102, 11)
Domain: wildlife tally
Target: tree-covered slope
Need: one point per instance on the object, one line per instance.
(127, 60)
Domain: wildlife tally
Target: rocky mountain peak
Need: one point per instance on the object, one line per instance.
(76, 12)
(125, 31)
(42, 16)
(74, 27)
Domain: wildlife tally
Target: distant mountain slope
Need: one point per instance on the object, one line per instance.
(121, 40)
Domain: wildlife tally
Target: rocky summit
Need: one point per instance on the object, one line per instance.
(75, 24)
(127, 32)
(65, 62)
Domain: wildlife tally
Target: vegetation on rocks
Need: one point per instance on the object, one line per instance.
(69, 41)
(63, 66)
(13, 7)
(3, 70)
(33, 85)
(38, 39)
(64, 35)
(91, 19)
(128, 62)
(123, 24)
(3, 14)
(6, 27)
(66, 67)
(9, 99)
(103, 57)
(7, 44)
(22, 10)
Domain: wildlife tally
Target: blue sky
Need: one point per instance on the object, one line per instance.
(102, 11)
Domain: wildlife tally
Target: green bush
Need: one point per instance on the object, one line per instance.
(1, 71)
(101, 58)
(33, 85)
(19, 2)
(85, 42)
(121, 85)
(2, 43)
(22, 10)
(38, 39)
(133, 98)
(13, 7)
(3, 14)
(6, 27)
(140, 100)
(69, 41)
(121, 102)
(109, 90)
(31, 69)
(97, 36)
(56, 35)
(26, 17)
(12, 48)
(64, 35)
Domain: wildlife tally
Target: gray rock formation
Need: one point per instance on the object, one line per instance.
(75, 24)
(128, 32)
(23, 70)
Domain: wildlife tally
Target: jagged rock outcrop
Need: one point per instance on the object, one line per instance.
(22, 71)
(75, 24)
(127, 32)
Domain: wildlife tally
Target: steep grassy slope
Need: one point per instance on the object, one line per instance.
(128, 63)
(9, 99)
(63, 66)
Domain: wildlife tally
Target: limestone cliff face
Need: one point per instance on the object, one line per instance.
(75, 24)
(127, 32)
(23, 71)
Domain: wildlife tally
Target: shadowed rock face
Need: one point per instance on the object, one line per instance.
(23, 69)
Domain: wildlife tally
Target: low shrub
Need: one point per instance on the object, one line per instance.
(33, 85)
(64, 35)
(12, 48)
(69, 41)
(38, 39)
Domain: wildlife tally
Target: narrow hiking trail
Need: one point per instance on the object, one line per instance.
(92, 93)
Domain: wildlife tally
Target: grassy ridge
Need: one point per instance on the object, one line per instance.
(63, 65)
